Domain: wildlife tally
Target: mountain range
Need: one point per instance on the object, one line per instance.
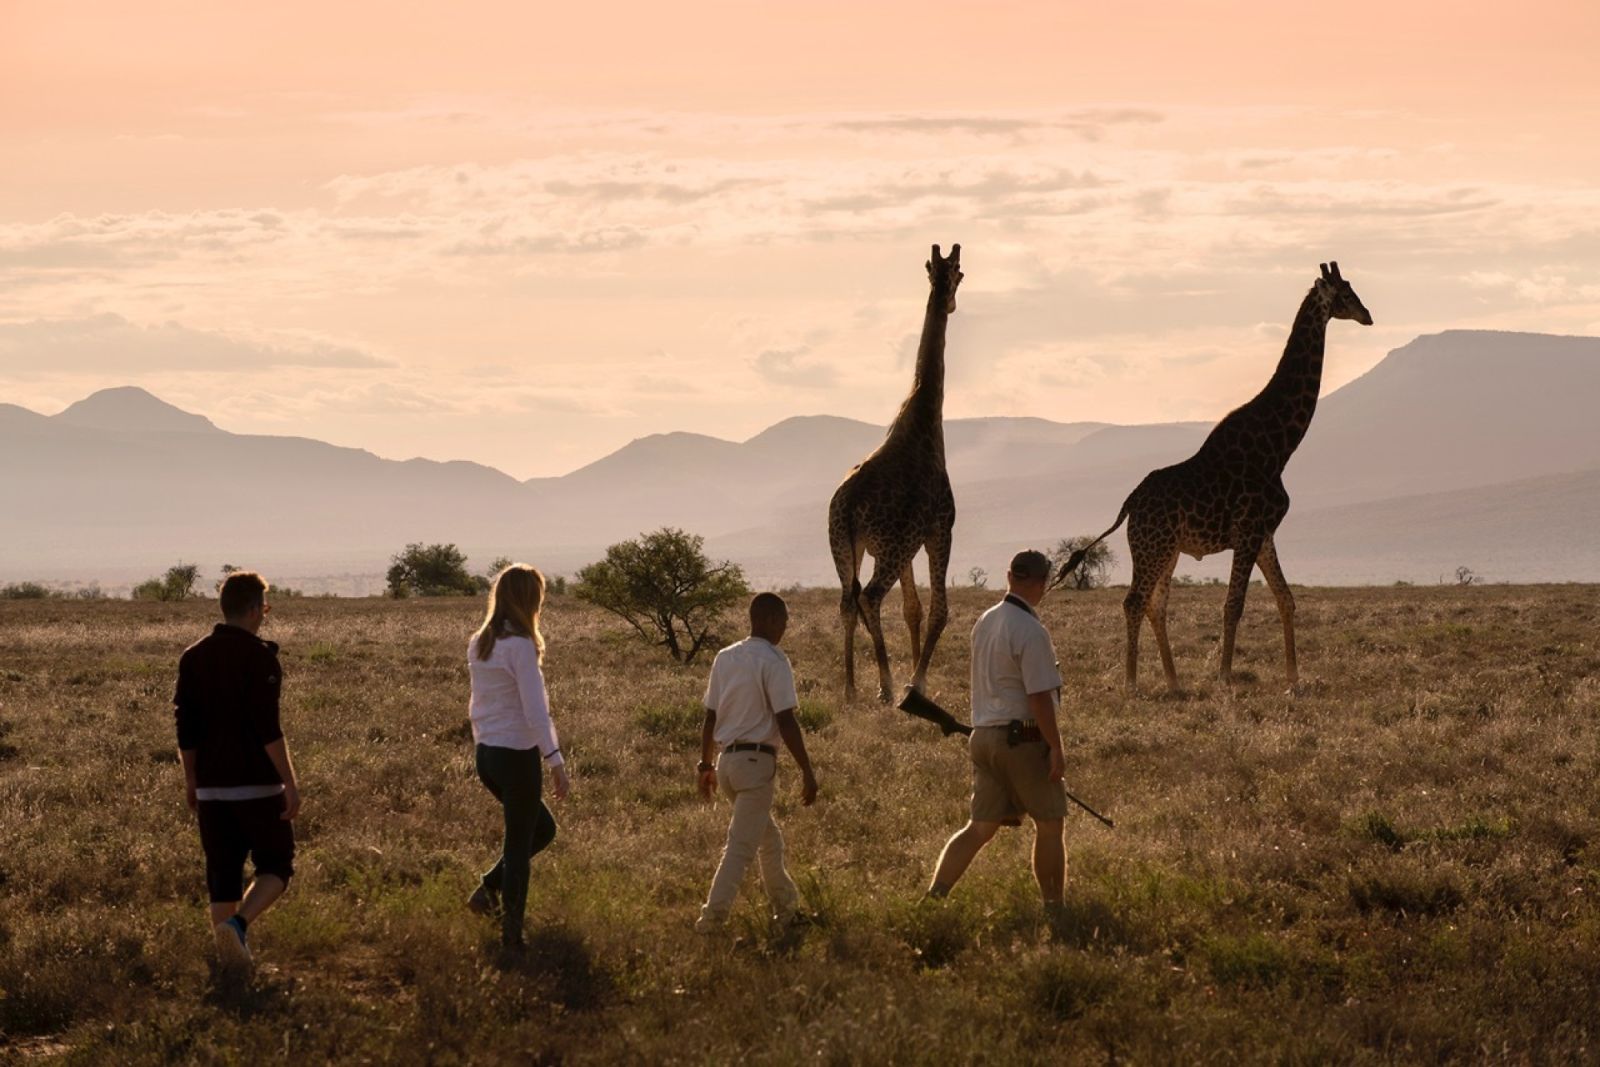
(1464, 448)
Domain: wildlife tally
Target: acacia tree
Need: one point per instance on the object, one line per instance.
(176, 584)
(431, 570)
(664, 587)
(1097, 562)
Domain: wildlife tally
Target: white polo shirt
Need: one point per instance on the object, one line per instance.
(1012, 656)
(750, 683)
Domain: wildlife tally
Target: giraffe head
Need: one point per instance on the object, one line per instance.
(1341, 300)
(944, 274)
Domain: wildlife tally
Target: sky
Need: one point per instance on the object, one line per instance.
(525, 234)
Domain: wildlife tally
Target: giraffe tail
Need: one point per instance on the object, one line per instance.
(1076, 559)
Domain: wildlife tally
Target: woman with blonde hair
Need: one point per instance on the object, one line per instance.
(512, 730)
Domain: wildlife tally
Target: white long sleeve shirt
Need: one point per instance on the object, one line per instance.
(509, 706)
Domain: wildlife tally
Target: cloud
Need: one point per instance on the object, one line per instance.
(789, 366)
(109, 343)
(1089, 124)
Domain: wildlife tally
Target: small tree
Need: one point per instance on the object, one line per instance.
(177, 584)
(1096, 566)
(1465, 576)
(978, 577)
(664, 587)
(431, 570)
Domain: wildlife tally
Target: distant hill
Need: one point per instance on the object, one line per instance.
(1451, 451)
(132, 409)
(1453, 410)
(1530, 530)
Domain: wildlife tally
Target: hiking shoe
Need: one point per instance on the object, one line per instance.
(483, 901)
(231, 945)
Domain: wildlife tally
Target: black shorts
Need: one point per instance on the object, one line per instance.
(230, 830)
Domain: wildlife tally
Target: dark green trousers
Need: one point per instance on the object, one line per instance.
(515, 777)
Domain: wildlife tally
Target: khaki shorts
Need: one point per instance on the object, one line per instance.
(1008, 783)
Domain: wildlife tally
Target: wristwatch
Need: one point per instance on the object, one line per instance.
(704, 767)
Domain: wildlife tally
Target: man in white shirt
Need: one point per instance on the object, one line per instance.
(1016, 742)
(750, 704)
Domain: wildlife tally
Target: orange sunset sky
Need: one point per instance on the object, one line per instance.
(525, 234)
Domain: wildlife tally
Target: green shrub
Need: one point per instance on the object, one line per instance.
(813, 715)
(677, 723)
(26, 591)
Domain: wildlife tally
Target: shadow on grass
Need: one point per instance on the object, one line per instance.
(247, 994)
(559, 961)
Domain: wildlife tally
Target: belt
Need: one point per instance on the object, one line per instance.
(1017, 731)
(751, 746)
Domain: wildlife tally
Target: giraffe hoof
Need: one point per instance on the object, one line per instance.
(885, 697)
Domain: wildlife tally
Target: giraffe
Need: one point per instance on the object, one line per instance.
(1229, 494)
(898, 501)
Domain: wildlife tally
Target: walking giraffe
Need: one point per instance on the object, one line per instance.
(898, 501)
(1229, 494)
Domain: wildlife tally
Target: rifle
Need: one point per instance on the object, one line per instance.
(919, 706)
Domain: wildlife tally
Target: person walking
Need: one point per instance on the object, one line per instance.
(238, 778)
(1016, 739)
(750, 706)
(512, 731)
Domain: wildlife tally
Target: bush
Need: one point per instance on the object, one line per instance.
(177, 584)
(432, 570)
(663, 586)
(26, 591)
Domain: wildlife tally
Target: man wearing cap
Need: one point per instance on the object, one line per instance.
(750, 704)
(1016, 742)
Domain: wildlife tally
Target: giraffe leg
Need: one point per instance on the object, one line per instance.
(938, 605)
(847, 560)
(848, 614)
(884, 573)
(1147, 575)
(1244, 561)
(1156, 610)
(1270, 568)
(912, 606)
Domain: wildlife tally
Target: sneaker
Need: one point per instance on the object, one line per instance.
(707, 926)
(231, 944)
(483, 901)
(793, 920)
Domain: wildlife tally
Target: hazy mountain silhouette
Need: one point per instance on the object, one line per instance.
(131, 408)
(1459, 448)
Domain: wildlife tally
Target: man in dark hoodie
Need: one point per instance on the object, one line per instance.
(236, 770)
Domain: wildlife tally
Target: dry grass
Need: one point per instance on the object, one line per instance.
(1400, 864)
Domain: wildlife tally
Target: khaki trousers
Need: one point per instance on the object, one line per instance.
(749, 778)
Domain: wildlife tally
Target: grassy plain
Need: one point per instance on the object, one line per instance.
(1402, 863)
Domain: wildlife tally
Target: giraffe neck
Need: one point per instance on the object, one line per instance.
(922, 414)
(1292, 392)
